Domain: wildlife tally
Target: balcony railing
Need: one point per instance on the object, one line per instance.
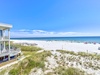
(4, 38)
(17, 50)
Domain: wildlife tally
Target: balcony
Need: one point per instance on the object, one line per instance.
(13, 54)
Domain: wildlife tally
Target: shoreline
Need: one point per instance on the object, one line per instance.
(63, 45)
(71, 41)
(91, 39)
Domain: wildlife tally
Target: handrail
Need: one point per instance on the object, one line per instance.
(4, 38)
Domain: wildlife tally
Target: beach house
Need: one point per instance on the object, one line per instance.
(6, 52)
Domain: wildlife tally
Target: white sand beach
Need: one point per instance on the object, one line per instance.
(90, 65)
(63, 45)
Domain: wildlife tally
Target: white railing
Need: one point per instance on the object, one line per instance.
(11, 50)
(4, 38)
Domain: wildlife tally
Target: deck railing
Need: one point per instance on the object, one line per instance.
(4, 38)
(13, 49)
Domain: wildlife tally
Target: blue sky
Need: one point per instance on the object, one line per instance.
(51, 17)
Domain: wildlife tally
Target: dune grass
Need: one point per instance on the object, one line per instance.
(68, 71)
(3, 72)
(30, 48)
(87, 60)
(66, 51)
(82, 54)
(35, 60)
(62, 70)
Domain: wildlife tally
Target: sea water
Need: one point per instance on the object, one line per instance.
(75, 39)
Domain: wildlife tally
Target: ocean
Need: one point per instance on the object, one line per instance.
(74, 39)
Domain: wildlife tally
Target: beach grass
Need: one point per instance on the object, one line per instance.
(83, 54)
(86, 60)
(35, 60)
(3, 72)
(68, 71)
(30, 48)
(66, 51)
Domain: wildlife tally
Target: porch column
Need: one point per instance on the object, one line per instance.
(9, 43)
(4, 39)
(2, 48)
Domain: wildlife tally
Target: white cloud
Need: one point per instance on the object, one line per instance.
(42, 33)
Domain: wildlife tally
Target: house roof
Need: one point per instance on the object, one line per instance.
(4, 26)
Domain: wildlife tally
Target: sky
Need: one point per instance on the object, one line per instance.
(45, 18)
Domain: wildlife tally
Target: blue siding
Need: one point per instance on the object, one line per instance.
(1, 46)
(1, 33)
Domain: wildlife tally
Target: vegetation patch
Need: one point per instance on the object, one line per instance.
(35, 60)
(3, 72)
(68, 52)
(83, 54)
(68, 71)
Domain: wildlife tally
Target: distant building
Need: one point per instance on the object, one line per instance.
(6, 53)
